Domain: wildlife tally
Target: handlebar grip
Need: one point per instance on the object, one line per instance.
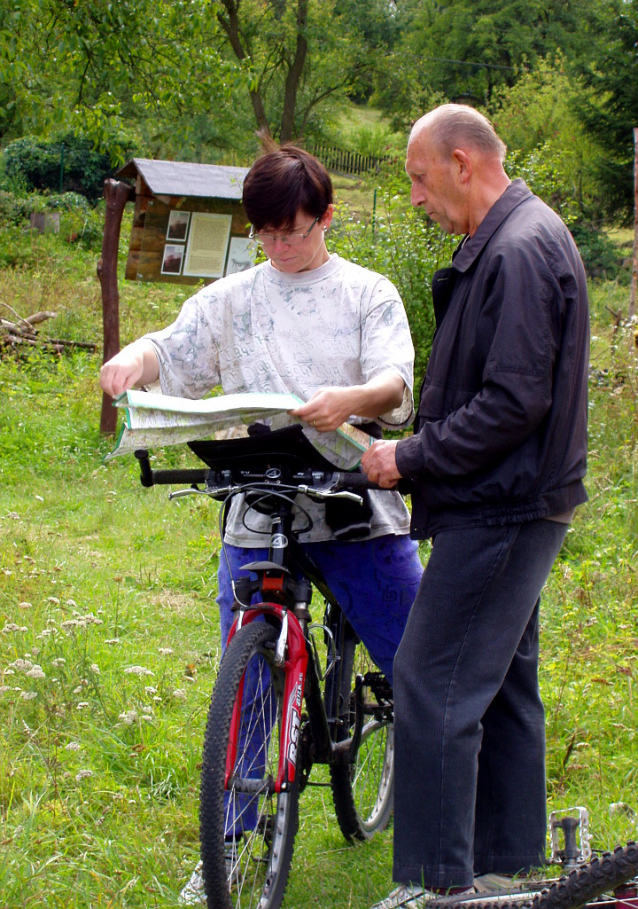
(354, 481)
(150, 477)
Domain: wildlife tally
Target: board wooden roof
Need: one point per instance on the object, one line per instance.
(179, 178)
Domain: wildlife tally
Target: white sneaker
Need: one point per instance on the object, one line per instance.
(193, 893)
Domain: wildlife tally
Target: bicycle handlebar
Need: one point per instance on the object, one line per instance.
(333, 482)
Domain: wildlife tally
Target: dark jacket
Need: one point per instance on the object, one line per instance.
(501, 431)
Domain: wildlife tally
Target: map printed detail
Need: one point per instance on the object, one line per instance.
(157, 420)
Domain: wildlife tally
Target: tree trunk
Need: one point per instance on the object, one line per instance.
(634, 261)
(230, 24)
(294, 74)
(117, 194)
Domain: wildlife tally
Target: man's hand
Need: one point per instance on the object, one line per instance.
(380, 465)
(327, 409)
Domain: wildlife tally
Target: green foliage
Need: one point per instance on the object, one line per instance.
(465, 50)
(538, 114)
(400, 242)
(599, 252)
(608, 109)
(542, 171)
(69, 164)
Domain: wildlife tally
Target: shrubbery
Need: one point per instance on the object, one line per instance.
(68, 164)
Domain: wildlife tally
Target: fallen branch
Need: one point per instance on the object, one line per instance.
(56, 343)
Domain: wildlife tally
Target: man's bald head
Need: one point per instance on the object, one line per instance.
(458, 126)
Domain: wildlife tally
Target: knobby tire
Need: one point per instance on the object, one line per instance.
(362, 791)
(253, 870)
(582, 886)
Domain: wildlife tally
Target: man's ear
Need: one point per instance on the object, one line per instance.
(463, 164)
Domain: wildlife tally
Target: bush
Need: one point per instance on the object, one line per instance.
(598, 251)
(405, 246)
(69, 164)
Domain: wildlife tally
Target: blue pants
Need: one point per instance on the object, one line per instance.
(375, 582)
(469, 721)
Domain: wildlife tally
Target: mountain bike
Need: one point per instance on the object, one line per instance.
(290, 692)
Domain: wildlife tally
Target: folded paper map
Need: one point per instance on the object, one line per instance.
(155, 420)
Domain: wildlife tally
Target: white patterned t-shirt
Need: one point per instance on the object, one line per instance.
(262, 330)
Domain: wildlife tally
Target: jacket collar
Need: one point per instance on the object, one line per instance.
(472, 247)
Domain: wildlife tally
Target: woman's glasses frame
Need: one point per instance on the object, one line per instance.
(293, 238)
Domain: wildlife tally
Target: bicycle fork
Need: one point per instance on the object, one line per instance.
(295, 663)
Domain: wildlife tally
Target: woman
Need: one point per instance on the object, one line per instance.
(331, 332)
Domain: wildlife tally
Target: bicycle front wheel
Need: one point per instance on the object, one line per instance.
(247, 829)
(599, 876)
(592, 884)
(363, 790)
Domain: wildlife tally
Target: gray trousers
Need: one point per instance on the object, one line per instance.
(469, 721)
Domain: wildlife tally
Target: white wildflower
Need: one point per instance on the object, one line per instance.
(166, 651)
(91, 619)
(180, 694)
(137, 670)
(71, 603)
(82, 705)
(9, 627)
(21, 665)
(53, 600)
(4, 689)
(83, 775)
(150, 690)
(128, 717)
(95, 668)
(58, 661)
(36, 672)
(24, 605)
(28, 695)
(112, 641)
(73, 746)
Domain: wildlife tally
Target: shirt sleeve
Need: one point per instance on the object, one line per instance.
(188, 350)
(386, 347)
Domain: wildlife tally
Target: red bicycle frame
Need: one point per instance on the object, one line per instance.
(295, 677)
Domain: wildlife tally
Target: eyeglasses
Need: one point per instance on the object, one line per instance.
(294, 238)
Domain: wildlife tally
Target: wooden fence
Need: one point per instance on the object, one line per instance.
(345, 162)
(334, 159)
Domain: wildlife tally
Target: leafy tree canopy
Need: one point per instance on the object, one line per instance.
(610, 110)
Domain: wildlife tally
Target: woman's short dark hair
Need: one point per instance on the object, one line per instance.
(282, 183)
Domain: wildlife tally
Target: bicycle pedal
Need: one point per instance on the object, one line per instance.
(572, 822)
(379, 686)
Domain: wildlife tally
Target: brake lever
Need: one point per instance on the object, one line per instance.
(315, 493)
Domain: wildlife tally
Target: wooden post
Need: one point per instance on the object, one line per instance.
(634, 263)
(117, 194)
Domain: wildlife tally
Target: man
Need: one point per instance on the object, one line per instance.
(495, 470)
(334, 334)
